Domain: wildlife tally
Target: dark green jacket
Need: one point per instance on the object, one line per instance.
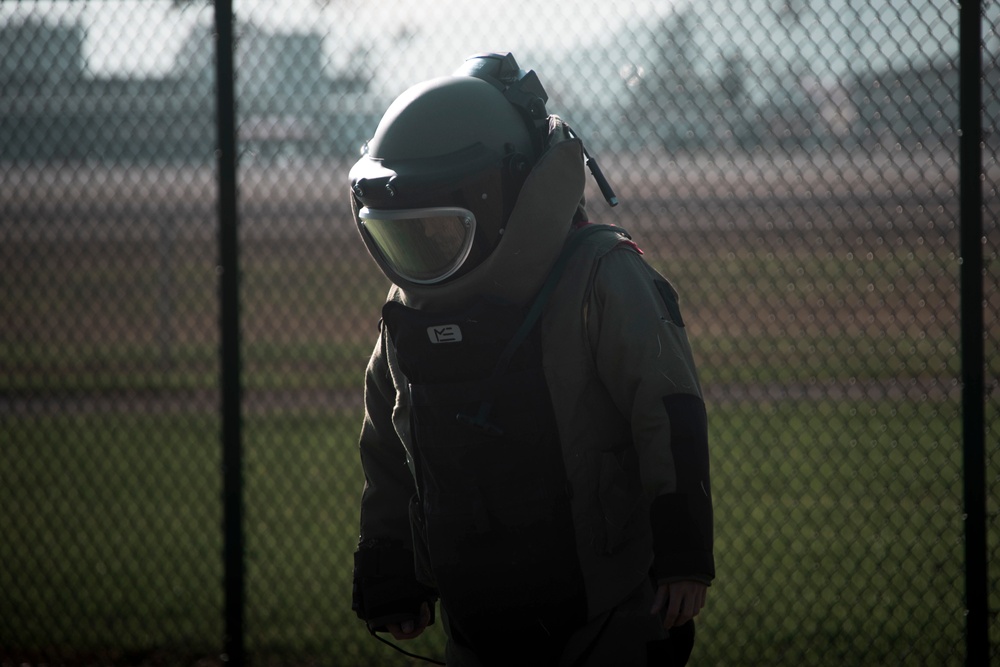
(632, 429)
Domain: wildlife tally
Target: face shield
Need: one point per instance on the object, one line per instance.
(421, 245)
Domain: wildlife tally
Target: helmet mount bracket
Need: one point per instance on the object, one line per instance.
(526, 94)
(520, 87)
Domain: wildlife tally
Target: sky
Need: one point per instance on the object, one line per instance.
(576, 45)
(141, 37)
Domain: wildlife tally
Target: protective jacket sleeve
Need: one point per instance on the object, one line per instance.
(643, 357)
(386, 588)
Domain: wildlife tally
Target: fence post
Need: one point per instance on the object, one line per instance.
(232, 464)
(973, 385)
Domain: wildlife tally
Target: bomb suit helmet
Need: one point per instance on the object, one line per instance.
(468, 187)
(436, 184)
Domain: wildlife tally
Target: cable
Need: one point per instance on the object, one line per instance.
(595, 171)
(402, 650)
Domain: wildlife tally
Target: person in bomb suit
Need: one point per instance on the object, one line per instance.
(535, 441)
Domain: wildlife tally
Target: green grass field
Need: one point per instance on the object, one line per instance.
(838, 527)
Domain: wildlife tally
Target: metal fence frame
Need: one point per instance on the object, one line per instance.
(973, 392)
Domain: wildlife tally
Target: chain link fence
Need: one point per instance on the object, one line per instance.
(791, 166)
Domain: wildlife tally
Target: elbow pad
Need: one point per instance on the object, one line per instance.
(682, 521)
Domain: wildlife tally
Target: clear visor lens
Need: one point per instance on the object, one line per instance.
(424, 245)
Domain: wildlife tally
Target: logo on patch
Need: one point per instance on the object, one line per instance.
(444, 333)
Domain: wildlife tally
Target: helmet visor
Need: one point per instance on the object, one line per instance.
(421, 245)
